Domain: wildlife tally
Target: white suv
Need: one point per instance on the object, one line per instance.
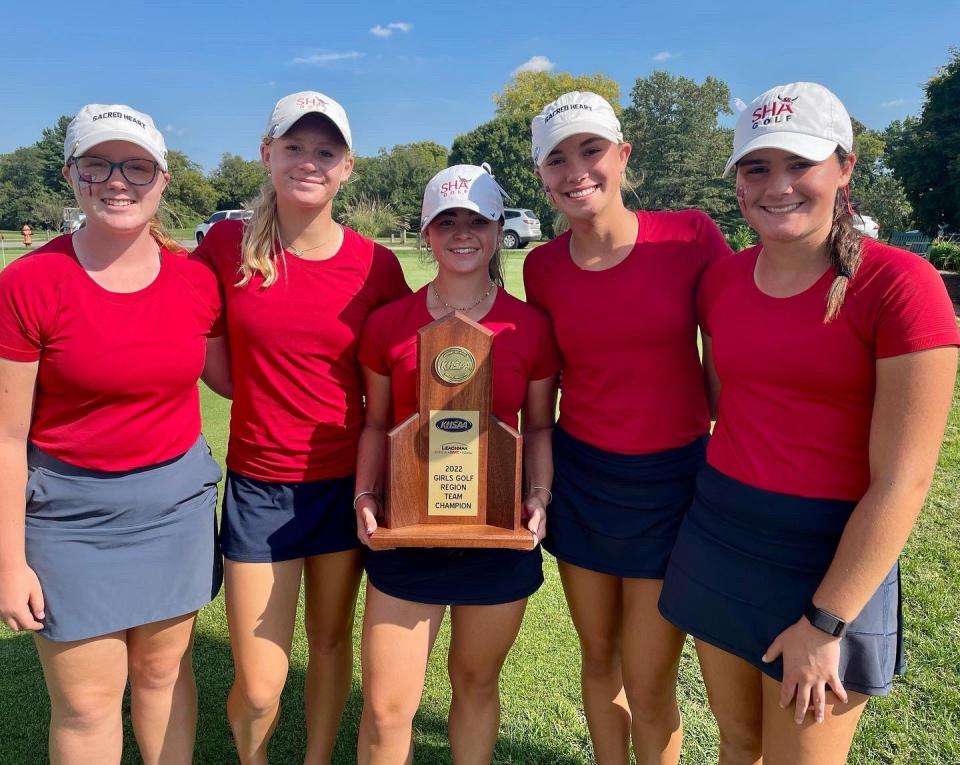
(519, 227)
(201, 230)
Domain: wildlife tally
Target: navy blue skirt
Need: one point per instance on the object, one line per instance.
(115, 550)
(748, 561)
(619, 514)
(455, 577)
(266, 521)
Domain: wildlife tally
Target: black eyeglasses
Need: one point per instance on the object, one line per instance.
(138, 172)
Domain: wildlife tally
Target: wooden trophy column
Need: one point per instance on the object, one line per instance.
(453, 469)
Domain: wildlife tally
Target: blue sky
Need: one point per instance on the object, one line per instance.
(210, 72)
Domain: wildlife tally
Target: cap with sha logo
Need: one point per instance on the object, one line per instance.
(803, 118)
(97, 123)
(570, 114)
(291, 108)
(467, 186)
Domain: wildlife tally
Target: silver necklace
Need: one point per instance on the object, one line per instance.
(302, 253)
(445, 304)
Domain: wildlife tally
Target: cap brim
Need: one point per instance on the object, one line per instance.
(807, 146)
(102, 136)
(454, 204)
(574, 128)
(285, 125)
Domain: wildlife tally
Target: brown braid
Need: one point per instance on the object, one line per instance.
(845, 244)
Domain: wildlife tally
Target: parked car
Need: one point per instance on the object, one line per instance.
(73, 223)
(519, 228)
(202, 228)
(866, 225)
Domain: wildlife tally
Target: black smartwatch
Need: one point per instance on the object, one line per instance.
(825, 621)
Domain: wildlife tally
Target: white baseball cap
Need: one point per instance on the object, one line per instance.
(801, 117)
(291, 108)
(466, 186)
(97, 123)
(572, 113)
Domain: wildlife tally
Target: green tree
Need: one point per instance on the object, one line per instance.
(529, 92)
(190, 197)
(396, 177)
(50, 150)
(237, 181)
(504, 143)
(679, 149)
(925, 152)
(21, 182)
(873, 187)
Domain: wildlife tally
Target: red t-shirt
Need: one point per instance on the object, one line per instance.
(797, 394)
(632, 381)
(117, 379)
(523, 350)
(297, 393)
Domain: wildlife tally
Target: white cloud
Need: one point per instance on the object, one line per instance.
(394, 26)
(535, 64)
(895, 102)
(663, 55)
(172, 129)
(327, 57)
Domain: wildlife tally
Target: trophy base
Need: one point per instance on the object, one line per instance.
(452, 535)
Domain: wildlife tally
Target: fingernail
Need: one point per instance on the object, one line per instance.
(764, 658)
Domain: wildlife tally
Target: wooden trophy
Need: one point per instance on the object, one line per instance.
(453, 469)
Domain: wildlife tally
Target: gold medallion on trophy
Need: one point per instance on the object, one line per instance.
(455, 365)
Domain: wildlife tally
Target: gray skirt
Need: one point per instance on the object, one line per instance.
(115, 550)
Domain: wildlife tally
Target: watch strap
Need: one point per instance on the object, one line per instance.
(825, 621)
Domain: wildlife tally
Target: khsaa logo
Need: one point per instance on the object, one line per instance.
(454, 425)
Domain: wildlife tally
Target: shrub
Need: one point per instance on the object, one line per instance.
(945, 255)
(371, 216)
(741, 238)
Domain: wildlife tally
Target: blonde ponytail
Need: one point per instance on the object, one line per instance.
(260, 247)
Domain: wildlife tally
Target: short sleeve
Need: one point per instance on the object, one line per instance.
(705, 289)
(387, 276)
(548, 361)
(530, 281)
(373, 343)
(210, 292)
(22, 313)
(916, 312)
(220, 250)
(713, 244)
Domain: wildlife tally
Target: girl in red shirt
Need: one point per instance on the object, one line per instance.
(298, 288)
(834, 362)
(102, 340)
(620, 289)
(409, 589)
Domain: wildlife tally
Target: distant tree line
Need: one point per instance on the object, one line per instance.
(908, 175)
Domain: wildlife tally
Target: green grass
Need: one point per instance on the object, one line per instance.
(542, 721)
